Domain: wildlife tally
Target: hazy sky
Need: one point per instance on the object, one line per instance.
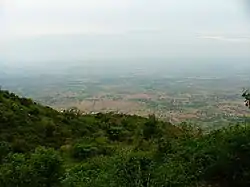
(32, 29)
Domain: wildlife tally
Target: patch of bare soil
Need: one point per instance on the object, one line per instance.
(108, 105)
(139, 96)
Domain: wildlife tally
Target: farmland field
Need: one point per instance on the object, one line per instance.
(207, 97)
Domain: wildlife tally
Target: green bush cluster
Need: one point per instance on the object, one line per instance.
(41, 168)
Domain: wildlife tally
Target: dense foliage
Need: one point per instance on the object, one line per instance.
(43, 147)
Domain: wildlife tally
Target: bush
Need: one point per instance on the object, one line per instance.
(5, 149)
(16, 172)
(84, 150)
(135, 170)
(43, 168)
(46, 167)
(97, 172)
(116, 133)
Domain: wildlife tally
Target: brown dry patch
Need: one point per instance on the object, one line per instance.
(184, 116)
(164, 97)
(139, 96)
(107, 105)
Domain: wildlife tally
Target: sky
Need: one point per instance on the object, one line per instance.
(54, 30)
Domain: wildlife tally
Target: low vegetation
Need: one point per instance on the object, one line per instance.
(40, 146)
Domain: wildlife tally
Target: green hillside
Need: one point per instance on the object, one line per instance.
(43, 147)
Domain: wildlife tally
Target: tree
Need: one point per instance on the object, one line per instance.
(246, 95)
(150, 128)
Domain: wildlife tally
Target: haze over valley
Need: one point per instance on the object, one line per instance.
(179, 60)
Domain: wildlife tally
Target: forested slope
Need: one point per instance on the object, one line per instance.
(43, 147)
